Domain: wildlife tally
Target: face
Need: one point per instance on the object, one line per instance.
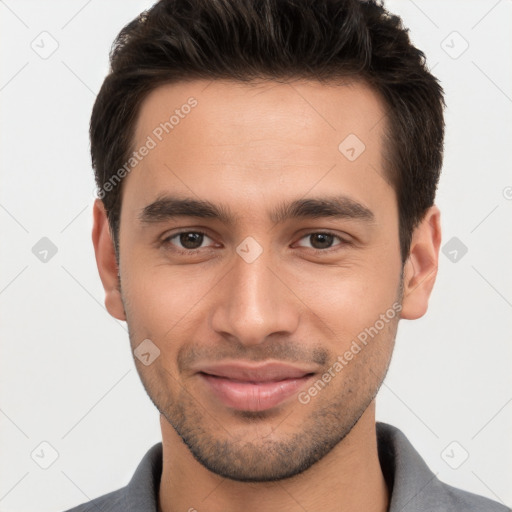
(259, 252)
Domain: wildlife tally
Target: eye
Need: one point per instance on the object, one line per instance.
(187, 241)
(321, 240)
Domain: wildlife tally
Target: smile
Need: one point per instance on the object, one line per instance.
(259, 388)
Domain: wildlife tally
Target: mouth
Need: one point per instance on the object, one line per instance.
(254, 388)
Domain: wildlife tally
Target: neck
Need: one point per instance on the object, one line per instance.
(349, 477)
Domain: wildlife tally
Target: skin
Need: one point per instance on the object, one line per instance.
(251, 147)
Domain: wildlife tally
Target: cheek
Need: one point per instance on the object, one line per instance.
(349, 298)
(162, 301)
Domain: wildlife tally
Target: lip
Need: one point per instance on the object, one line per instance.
(252, 387)
(250, 372)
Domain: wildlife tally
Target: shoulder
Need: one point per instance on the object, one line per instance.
(457, 499)
(141, 493)
(414, 487)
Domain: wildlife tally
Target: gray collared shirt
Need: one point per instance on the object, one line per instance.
(413, 487)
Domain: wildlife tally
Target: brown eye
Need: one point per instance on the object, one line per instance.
(191, 240)
(187, 241)
(320, 240)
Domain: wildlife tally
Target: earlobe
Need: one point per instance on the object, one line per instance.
(420, 269)
(106, 261)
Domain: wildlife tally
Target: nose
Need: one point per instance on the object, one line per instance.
(252, 302)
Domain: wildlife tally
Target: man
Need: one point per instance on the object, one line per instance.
(266, 175)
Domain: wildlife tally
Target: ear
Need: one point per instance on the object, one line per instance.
(106, 261)
(421, 266)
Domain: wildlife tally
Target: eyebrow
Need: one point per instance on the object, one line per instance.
(341, 207)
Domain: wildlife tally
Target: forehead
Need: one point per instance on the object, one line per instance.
(267, 108)
(241, 140)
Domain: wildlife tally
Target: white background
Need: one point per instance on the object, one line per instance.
(66, 373)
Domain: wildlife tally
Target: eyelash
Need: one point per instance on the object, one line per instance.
(190, 252)
(167, 241)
